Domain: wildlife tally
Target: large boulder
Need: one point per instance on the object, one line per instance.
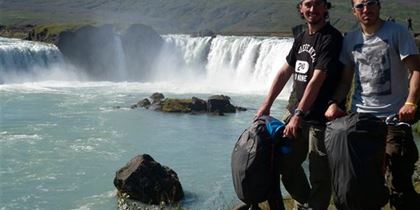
(145, 180)
(157, 97)
(220, 104)
(142, 103)
(198, 105)
(156, 101)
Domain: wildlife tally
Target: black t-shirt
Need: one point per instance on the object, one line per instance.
(318, 51)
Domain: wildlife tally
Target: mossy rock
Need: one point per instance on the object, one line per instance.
(176, 105)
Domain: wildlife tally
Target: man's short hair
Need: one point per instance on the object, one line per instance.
(325, 1)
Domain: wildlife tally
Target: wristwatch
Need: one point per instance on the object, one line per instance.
(332, 101)
(299, 113)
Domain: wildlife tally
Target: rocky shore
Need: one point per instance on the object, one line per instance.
(29, 32)
(50, 33)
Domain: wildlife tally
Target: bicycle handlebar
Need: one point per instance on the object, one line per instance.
(393, 120)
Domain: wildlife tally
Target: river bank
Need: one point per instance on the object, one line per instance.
(50, 32)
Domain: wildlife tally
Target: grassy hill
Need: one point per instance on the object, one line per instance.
(185, 16)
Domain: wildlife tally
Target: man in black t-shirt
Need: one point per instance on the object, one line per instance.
(313, 63)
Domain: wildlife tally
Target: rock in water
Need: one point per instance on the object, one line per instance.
(147, 181)
(220, 104)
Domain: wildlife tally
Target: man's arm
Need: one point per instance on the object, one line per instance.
(277, 86)
(334, 111)
(309, 96)
(408, 111)
(312, 90)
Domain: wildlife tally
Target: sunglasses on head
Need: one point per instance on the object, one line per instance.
(368, 4)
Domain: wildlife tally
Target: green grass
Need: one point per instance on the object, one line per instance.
(16, 17)
(24, 17)
(416, 128)
(186, 16)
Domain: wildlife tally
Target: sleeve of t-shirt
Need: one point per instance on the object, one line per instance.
(328, 53)
(406, 43)
(291, 57)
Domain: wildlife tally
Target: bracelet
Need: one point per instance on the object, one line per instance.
(411, 104)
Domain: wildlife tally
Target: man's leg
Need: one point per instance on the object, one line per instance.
(401, 155)
(319, 171)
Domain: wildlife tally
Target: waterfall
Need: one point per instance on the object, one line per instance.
(231, 63)
(121, 67)
(22, 55)
(27, 61)
(242, 64)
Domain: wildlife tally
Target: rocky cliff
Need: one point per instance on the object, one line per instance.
(108, 54)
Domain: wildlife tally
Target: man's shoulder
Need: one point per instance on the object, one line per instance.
(394, 25)
(351, 35)
(331, 30)
(353, 32)
(335, 29)
(299, 37)
(395, 28)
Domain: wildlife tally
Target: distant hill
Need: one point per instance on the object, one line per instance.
(186, 16)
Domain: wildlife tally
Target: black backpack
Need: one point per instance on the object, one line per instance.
(254, 162)
(355, 147)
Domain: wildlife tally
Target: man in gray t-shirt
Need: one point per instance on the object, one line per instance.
(385, 62)
(381, 84)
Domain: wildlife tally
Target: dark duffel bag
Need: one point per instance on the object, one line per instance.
(355, 146)
(254, 161)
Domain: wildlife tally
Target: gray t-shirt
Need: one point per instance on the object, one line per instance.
(381, 78)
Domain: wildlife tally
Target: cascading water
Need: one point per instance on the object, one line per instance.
(230, 63)
(19, 55)
(121, 68)
(198, 64)
(27, 61)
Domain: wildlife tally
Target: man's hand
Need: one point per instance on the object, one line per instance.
(334, 112)
(407, 113)
(292, 127)
(263, 110)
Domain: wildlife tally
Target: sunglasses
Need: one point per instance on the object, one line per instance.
(368, 4)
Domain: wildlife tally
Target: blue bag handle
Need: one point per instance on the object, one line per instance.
(274, 126)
